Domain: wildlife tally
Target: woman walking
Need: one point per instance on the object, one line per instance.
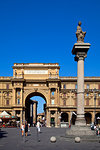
(26, 128)
(22, 129)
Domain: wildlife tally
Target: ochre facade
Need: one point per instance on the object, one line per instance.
(59, 93)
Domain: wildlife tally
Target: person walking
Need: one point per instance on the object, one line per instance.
(26, 128)
(22, 129)
(38, 126)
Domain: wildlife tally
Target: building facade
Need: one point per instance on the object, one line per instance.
(59, 93)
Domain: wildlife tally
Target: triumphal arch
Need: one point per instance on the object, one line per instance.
(59, 93)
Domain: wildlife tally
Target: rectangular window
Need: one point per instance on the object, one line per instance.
(87, 86)
(18, 92)
(64, 86)
(52, 101)
(7, 93)
(75, 86)
(64, 102)
(87, 94)
(52, 93)
(7, 102)
(7, 86)
(87, 102)
(18, 101)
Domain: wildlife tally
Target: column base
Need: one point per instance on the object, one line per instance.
(80, 131)
(80, 121)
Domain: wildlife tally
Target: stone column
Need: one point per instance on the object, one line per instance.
(48, 118)
(35, 112)
(21, 117)
(80, 52)
(56, 119)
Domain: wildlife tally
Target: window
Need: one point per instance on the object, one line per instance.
(18, 92)
(7, 102)
(64, 102)
(52, 93)
(52, 101)
(7, 93)
(87, 102)
(18, 101)
(75, 86)
(7, 86)
(64, 86)
(87, 94)
(87, 86)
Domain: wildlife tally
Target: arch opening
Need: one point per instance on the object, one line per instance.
(88, 118)
(64, 117)
(35, 108)
(98, 118)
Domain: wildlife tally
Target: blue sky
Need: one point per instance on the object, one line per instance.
(43, 31)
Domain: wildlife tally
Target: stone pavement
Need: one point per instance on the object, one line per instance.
(10, 138)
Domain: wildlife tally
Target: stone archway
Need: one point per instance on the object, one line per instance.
(98, 118)
(31, 107)
(88, 118)
(64, 117)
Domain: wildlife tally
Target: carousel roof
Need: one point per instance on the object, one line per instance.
(4, 114)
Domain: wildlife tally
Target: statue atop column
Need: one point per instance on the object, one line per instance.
(80, 34)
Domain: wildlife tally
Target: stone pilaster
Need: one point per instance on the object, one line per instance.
(14, 96)
(21, 97)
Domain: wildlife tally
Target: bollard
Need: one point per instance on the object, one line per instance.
(77, 139)
(53, 139)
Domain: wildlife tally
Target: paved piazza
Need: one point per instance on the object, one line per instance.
(12, 139)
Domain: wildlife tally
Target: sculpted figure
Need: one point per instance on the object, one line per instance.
(80, 34)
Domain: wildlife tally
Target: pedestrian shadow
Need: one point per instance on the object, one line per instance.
(28, 134)
(3, 134)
